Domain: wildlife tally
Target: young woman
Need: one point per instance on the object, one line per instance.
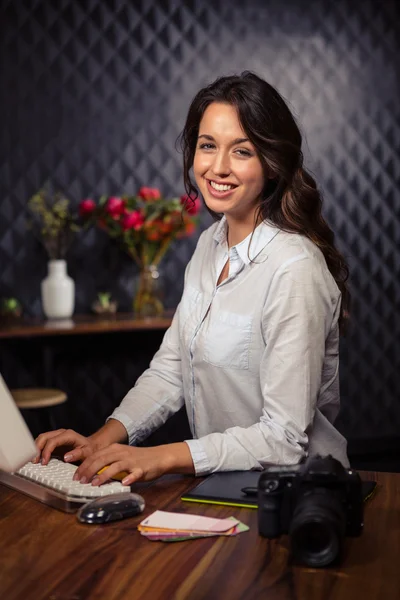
(253, 347)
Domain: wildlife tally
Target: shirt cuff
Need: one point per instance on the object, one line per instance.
(127, 423)
(200, 459)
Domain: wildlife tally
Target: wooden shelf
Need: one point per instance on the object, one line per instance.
(82, 324)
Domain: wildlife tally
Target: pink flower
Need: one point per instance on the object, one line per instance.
(115, 207)
(132, 220)
(191, 204)
(86, 207)
(148, 193)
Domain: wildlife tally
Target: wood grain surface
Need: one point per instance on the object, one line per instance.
(48, 555)
(81, 324)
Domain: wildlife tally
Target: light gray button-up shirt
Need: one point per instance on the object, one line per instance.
(255, 359)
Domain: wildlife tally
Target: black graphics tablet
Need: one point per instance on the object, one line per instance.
(226, 488)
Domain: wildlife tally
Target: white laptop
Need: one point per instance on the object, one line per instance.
(51, 484)
(17, 446)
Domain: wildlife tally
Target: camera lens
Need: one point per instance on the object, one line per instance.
(317, 528)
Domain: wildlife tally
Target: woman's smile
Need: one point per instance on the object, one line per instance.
(219, 189)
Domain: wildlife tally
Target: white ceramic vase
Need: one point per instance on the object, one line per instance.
(58, 291)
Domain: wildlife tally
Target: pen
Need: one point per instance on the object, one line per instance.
(249, 491)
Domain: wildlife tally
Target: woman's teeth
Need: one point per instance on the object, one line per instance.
(221, 187)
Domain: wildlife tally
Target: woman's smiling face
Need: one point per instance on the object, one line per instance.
(226, 166)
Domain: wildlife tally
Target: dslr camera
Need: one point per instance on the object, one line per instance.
(318, 503)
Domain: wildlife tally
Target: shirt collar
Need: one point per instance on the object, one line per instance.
(256, 241)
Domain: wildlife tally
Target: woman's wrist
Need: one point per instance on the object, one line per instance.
(112, 432)
(178, 458)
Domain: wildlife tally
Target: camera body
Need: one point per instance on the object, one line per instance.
(317, 503)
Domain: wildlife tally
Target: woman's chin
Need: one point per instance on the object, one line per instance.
(216, 205)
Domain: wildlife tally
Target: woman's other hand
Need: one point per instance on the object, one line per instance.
(140, 464)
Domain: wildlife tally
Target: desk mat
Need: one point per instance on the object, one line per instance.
(226, 488)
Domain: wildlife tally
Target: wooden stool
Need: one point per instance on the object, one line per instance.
(27, 398)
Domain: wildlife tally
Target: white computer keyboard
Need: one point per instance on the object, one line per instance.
(53, 485)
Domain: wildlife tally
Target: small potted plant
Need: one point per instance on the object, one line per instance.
(10, 310)
(104, 305)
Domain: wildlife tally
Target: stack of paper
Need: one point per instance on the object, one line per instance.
(173, 527)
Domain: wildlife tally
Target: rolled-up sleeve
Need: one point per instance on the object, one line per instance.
(298, 316)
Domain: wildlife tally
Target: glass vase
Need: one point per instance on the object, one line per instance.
(148, 300)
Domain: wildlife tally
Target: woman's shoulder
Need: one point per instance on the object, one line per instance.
(296, 255)
(210, 231)
(206, 237)
(293, 247)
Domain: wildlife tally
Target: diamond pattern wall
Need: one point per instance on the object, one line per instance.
(93, 96)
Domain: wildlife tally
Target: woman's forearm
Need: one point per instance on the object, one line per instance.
(112, 432)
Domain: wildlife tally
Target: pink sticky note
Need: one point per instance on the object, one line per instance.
(168, 520)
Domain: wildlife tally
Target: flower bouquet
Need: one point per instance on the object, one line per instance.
(145, 225)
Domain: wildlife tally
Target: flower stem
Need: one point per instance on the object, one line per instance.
(133, 254)
(163, 248)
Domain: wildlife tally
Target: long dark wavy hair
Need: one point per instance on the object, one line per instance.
(290, 199)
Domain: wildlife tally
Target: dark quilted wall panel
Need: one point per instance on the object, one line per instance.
(93, 95)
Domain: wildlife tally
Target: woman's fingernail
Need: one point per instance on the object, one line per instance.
(68, 457)
(125, 481)
(83, 479)
(95, 481)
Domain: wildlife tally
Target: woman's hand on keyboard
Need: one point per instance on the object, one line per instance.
(143, 464)
(79, 446)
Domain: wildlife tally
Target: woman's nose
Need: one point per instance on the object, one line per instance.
(221, 164)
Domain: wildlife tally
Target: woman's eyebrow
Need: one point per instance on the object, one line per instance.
(233, 143)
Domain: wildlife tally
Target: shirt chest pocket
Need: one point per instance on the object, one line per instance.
(227, 343)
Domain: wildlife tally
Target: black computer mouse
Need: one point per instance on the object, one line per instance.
(111, 508)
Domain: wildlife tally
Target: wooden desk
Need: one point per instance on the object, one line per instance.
(46, 554)
(82, 324)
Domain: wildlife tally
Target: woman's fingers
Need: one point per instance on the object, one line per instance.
(78, 454)
(109, 472)
(135, 475)
(102, 458)
(41, 440)
(67, 437)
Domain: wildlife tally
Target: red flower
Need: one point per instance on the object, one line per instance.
(190, 228)
(132, 220)
(86, 207)
(148, 193)
(115, 207)
(154, 235)
(191, 204)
